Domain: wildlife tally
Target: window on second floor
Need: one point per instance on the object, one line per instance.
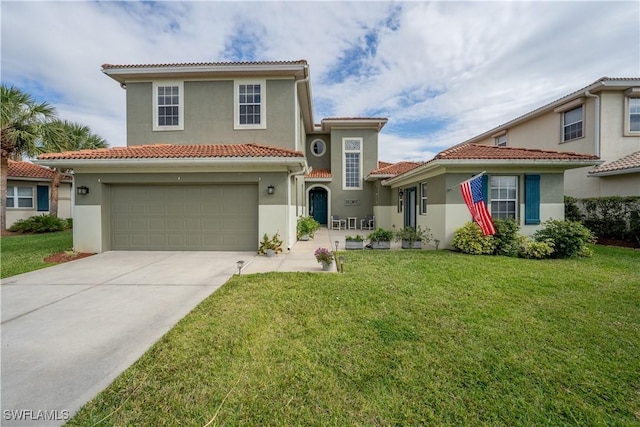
(250, 104)
(20, 197)
(168, 106)
(352, 163)
(572, 124)
(632, 112)
(501, 141)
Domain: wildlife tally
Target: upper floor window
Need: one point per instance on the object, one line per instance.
(250, 105)
(501, 141)
(20, 197)
(318, 147)
(504, 197)
(352, 163)
(634, 114)
(632, 111)
(168, 106)
(423, 198)
(572, 124)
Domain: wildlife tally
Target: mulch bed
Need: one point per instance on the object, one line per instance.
(66, 256)
(617, 242)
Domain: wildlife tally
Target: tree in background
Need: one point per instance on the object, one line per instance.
(61, 136)
(23, 122)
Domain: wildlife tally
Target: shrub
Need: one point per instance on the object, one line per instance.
(38, 224)
(411, 235)
(506, 237)
(533, 249)
(569, 237)
(307, 225)
(470, 240)
(571, 209)
(381, 235)
(69, 224)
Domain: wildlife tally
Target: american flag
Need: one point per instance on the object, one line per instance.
(472, 194)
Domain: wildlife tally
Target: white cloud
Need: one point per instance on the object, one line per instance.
(469, 65)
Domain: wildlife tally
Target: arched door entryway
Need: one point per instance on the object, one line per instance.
(318, 204)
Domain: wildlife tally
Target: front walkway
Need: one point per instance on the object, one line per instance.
(300, 257)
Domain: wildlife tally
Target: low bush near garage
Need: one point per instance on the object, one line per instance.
(39, 224)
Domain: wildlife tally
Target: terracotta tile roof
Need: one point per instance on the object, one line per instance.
(492, 152)
(29, 170)
(319, 173)
(204, 64)
(393, 169)
(383, 164)
(631, 161)
(171, 151)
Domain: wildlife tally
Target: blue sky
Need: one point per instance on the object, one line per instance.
(441, 72)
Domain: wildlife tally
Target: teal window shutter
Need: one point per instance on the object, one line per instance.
(485, 189)
(43, 198)
(532, 199)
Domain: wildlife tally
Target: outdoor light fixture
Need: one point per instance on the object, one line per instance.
(240, 264)
(401, 193)
(271, 189)
(82, 190)
(337, 242)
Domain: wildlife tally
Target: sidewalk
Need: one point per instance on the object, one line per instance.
(300, 257)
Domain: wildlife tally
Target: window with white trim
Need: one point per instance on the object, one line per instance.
(20, 197)
(352, 163)
(501, 141)
(504, 197)
(168, 106)
(423, 198)
(250, 104)
(572, 124)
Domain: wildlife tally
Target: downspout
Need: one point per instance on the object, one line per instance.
(597, 122)
(304, 80)
(288, 216)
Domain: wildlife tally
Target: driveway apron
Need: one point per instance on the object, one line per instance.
(69, 330)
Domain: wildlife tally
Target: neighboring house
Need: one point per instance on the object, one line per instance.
(602, 119)
(218, 154)
(520, 184)
(29, 189)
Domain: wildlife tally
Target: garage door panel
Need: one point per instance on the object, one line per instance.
(184, 217)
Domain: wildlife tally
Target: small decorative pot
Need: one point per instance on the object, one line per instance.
(270, 253)
(325, 266)
(304, 237)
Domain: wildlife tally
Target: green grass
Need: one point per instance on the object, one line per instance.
(402, 338)
(23, 253)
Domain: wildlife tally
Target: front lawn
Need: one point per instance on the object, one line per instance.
(23, 253)
(401, 338)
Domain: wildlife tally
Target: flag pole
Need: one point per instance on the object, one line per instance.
(473, 177)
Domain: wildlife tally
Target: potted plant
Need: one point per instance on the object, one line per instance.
(324, 257)
(381, 239)
(413, 238)
(306, 228)
(354, 242)
(270, 246)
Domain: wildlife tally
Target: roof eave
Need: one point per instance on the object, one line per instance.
(299, 163)
(595, 173)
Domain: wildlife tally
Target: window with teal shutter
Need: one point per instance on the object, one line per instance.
(532, 199)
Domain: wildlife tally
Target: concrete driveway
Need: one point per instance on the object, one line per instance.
(69, 330)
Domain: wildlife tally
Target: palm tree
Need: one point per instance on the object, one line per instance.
(61, 136)
(22, 121)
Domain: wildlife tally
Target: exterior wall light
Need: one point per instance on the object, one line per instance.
(82, 190)
(271, 189)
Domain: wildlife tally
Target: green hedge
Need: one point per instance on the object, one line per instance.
(607, 217)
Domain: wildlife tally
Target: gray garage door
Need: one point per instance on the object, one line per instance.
(184, 217)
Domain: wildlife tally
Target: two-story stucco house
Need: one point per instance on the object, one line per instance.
(602, 119)
(217, 155)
